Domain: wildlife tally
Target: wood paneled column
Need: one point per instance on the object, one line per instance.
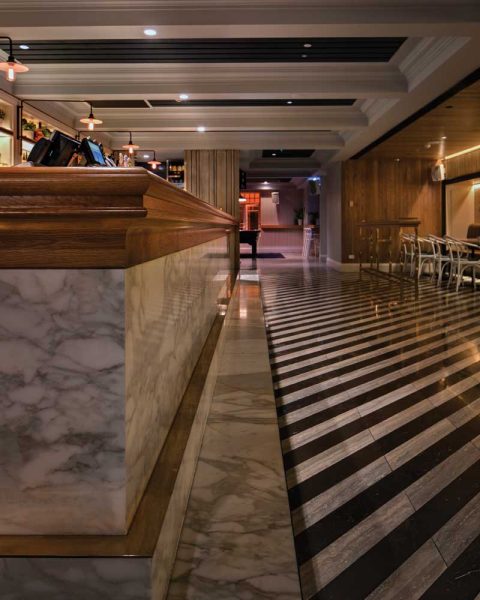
(214, 176)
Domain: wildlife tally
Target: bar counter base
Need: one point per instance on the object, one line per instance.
(136, 566)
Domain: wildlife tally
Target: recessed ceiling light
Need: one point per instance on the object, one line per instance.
(201, 129)
(184, 96)
(265, 183)
(146, 155)
(307, 45)
(289, 102)
(397, 160)
(150, 32)
(274, 154)
(444, 137)
(304, 55)
(24, 47)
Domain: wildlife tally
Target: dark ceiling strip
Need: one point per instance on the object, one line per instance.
(240, 102)
(232, 42)
(212, 50)
(458, 87)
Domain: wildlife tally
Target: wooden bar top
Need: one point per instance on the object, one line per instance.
(98, 217)
(400, 222)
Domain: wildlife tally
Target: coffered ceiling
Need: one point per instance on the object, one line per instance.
(328, 75)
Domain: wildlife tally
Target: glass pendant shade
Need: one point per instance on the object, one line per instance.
(91, 121)
(131, 147)
(154, 163)
(11, 66)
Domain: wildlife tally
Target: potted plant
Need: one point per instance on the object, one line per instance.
(28, 128)
(3, 114)
(298, 212)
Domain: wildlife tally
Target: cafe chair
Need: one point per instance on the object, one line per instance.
(442, 258)
(462, 256)
(408, 253)
(425, 254)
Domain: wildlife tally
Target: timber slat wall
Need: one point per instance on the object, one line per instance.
(213, 176)
(387, 189)
(465, 164)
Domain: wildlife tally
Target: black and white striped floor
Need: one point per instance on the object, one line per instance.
(378, 393)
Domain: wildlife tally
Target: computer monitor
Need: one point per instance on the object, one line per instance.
(59, 152)
(92, 152)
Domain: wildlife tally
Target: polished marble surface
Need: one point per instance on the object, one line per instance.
(171, 303)
(378, 399)
(75, 579)
(238, 518)
(61, 401)
(93, 366)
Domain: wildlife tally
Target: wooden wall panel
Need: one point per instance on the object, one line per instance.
(213, 176)
(465, 164)
(386, 189)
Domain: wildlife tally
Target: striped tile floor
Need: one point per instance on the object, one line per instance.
(378, 392)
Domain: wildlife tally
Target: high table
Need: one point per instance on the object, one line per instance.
(375, 236)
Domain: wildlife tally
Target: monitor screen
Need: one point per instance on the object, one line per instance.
(61, 151)
(93, 153)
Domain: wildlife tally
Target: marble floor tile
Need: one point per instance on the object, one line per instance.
(381, 489)
(238, 515)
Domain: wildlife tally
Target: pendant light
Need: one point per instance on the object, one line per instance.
(11, 66)
(154, 162)
(131, 147)
(91, 121)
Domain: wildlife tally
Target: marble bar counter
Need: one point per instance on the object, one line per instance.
(113, 289)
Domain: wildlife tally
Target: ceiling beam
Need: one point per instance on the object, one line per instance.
(204, 80)
(240, 140)
(232, 18)
(231, 118)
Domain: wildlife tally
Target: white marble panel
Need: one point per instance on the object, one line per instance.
(75, 578)
(171, 304)
(62, 401)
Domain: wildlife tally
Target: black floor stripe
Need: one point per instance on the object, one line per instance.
(311, 487)
(318, 536)
(410, 429)
(461, 580)
(366, 396)
(397, 354)
(386, 556)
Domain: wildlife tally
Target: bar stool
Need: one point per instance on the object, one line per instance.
(307, 242)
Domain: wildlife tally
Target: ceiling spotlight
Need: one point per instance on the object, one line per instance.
(131, 147)
(307, 45)
(304, 55)
(201, 129)
(91, 121)
(154, 163)
(150, 32)
(11, 66)
(24, 47)
(444, 137)
(289, 102)
(184, 96)
(265, 183)
(146, 156)
(274, 154)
